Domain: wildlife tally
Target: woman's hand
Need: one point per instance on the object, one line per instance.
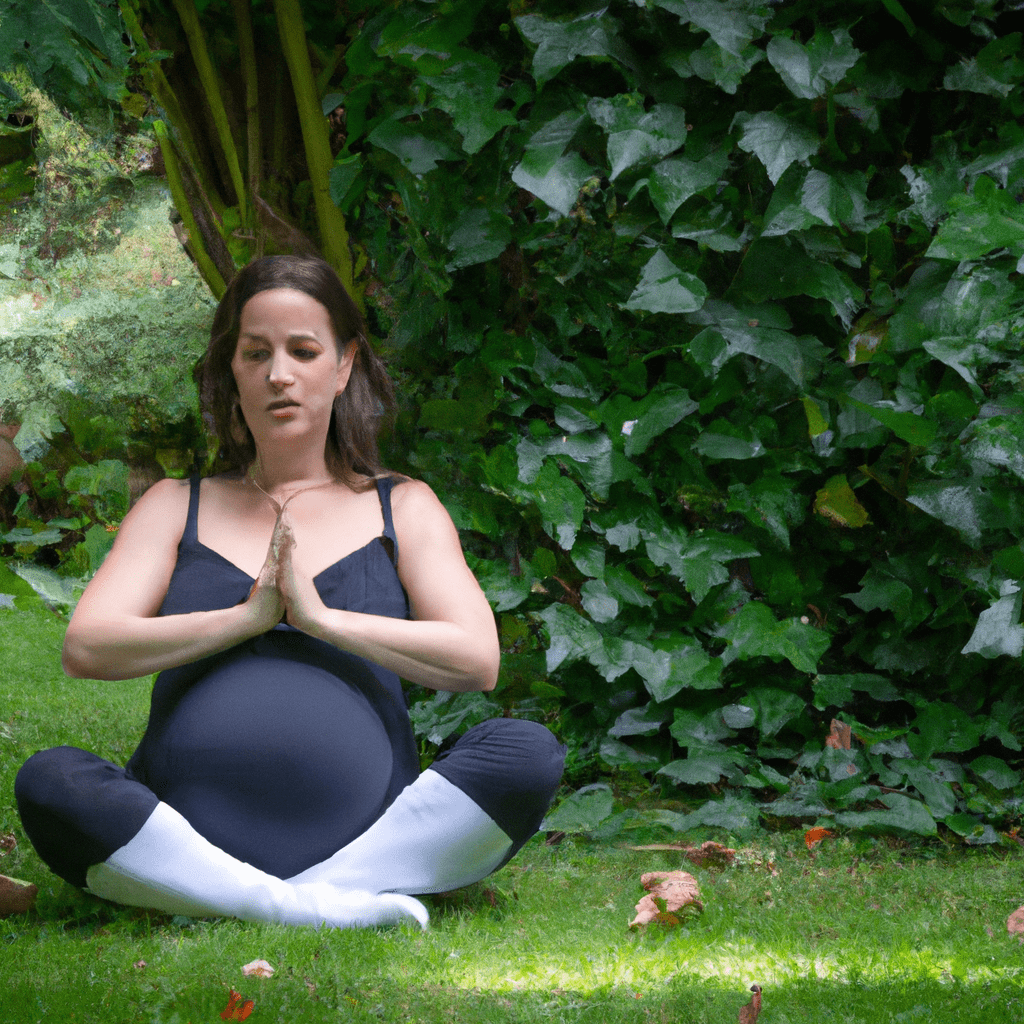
(265, 603)
(300, 602)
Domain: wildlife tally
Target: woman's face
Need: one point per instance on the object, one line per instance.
(288, 365)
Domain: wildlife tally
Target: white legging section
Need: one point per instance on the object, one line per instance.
(168, 866)
(433, 838)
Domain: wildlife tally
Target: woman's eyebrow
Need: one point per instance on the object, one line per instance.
(293, 336)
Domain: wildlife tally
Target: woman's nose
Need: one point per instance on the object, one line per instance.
(280, 373)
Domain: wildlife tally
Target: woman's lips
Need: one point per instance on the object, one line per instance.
(282, 409)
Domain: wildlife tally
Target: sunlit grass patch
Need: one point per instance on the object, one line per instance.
(864, 932)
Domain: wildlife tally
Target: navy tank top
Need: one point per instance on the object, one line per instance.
(283, 748)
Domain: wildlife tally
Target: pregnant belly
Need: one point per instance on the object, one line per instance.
(277, 762)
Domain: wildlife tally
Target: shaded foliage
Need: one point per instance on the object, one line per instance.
(708, 318)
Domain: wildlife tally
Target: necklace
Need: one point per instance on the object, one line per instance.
(280, 506)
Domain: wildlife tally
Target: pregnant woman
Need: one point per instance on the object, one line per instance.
(280, 602)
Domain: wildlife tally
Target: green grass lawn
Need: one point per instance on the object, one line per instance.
(868, 931)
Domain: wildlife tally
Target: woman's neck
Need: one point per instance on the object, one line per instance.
(284, 475)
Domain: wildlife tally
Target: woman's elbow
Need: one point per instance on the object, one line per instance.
(487, 676)
(76, 658)
(71, 664)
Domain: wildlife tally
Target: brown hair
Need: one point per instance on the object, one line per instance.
(359, 411)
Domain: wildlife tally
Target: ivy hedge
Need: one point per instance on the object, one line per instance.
(708, 318)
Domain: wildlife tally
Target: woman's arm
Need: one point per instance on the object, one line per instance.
(451, 642)
(115, 632)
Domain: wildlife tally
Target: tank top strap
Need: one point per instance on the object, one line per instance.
(384, 485)
(191, 534)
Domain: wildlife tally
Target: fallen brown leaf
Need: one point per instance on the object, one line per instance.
(814, 836)
(839, 735)
(238, 1008)
(667, 892)
(16, 896)
(8, 842)
(750, 1012)
(258, 969)
(1015, 923)
(709, 852)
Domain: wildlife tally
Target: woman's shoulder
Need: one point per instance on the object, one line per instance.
(160, 511)
(417, 508)
(165, 495)
(406, 490)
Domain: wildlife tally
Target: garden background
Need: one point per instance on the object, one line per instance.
(706, 317)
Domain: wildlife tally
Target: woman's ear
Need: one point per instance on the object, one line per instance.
(348, 358)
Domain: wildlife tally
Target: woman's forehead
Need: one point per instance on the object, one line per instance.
(287, 309)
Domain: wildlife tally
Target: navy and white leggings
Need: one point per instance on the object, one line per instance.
(77, 809)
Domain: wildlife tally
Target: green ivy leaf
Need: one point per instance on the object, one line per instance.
(97, 543)
(754, 632)
(559, 186)
(581, 811)
(700, 560)
(903, 816)
(989, 219)
(701, 733)
(999, 441)
(645, 721)
(571, 636)
(799, 358)
(675, 180)
(774, 268)
(1001, 724)
(999, 630)
(733, 813)
(974, 831)
(712, 227)
(503, 590)
(776, 141)
(933, 781)
(343, 176)
(732, 24)
(598, 601)
(995, 772)
(737, 444)
(446, 713)
(771, 503)
(908, 426)
(55, 590)
(561, 504)
(995, 71)
(658, 133)
(715, 64)
(773, 708)
(881, 590)
(669, 406)
(559, 43)
(965, 507)
(941, 727)
(803, 199)
(416, 152)
(706, 769)
(664, 288)
(620, 755)
(468, 91)
(809, 71)
(477, 236)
